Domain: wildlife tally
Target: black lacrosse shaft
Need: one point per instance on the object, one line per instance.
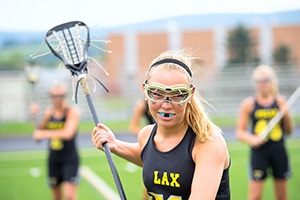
(105, 145)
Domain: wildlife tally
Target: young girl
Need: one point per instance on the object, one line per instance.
(59, 125)
(183, 155)
(270, 153)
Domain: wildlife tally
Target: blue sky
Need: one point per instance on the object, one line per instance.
(40, 15)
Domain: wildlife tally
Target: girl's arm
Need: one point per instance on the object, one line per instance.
(66, 133)
(286, 120)
(128, 151)
(242, 123)
(211, 158)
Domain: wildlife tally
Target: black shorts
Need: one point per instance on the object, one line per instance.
(273, 160)
(63, 170)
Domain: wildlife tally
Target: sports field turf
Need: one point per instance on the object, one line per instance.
(22, 174)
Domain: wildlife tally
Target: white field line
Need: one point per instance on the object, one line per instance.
(98, 183)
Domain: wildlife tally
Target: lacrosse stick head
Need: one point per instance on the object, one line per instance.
(69, 42)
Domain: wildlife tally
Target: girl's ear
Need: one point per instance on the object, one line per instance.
(193, 93)
(143, 87)
(194, 89)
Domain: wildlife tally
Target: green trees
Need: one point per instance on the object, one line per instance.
(241, 46)
(282, 54)
(16, 56)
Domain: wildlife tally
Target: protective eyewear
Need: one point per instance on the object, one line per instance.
(176, 94)
(57, 96)
(262, 81)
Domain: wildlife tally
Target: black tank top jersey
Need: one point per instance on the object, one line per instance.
(148, 115)
(260, 116)
(61, 149)
(169, 175)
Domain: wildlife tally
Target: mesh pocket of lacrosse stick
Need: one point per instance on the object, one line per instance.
(70, 42)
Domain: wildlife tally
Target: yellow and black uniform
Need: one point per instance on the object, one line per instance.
(63, 161)
(169, 175)
(272, 154)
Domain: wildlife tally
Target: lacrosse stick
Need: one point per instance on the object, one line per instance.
(266, 131)
(69, 42)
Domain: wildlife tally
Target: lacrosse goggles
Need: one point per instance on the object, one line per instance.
(176, 94)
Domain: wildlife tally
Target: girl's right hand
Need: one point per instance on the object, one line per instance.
(102, 134)
(256, 141)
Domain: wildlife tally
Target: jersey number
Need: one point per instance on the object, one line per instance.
(275, 134)
(56, 144)
(161, 197)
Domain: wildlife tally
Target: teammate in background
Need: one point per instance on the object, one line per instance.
(183, 155)
(271, 153)
(59, 125)
(140, 112)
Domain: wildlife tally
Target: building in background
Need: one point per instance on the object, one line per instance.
(134, 46)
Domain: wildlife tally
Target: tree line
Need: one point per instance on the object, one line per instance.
(240, 44)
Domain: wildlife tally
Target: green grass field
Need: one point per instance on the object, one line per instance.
(18, 180)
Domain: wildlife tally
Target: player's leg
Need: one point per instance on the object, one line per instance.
(71, 178)
(54, 179)
(70, 191)
(280, 187)
(258, 173)
(56, 193)
(281, 173)
(255, 190)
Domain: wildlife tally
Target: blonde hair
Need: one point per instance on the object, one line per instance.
(58, 87)
(268, 72)
(195, 116)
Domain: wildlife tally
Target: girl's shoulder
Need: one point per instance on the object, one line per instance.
(281, 99)
(49, 111)
(73, 109)
(247, 104)
(215, 147)
(248, 100)
(144, 134)
(216, 141)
